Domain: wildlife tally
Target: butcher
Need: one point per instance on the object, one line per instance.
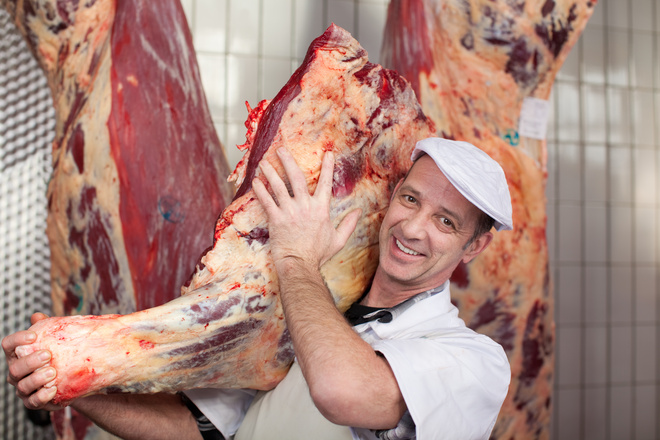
(399, 364)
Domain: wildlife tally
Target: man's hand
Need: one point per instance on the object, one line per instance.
(300, 226)
(32, 375)
(339, 367)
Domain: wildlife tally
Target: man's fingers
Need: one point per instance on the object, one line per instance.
(293, 172)
(263, 195)
(341, 234)
(25, 366)
(40, 378)
(296, 177)
(324, 187)
(347, 226)
(14, 340)
(40, 399)
(36, 317)
(275, 181)
(30, 374)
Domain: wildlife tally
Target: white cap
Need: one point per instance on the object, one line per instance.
(474, 174)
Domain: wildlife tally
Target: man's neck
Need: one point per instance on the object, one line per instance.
(384, 293)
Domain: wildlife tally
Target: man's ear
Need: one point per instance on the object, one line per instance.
(477, 246)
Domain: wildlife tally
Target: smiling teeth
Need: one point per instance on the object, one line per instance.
(405, 249)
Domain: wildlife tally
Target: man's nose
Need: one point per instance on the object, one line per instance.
(414, 227)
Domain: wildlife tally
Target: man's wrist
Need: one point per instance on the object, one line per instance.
(302, 280)
(294, 266)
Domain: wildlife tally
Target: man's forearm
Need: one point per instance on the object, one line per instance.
(140, 416)
(339, 367)
(349, 383)
(314, 322)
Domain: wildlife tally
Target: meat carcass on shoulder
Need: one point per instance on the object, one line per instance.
(473, 64)
(228, 329)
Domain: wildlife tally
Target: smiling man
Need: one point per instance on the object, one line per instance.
(399, 364)
(429, 228)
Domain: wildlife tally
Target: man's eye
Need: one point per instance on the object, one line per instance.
(446, 222)
(409, 199)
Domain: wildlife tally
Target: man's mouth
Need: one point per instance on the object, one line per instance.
(405, 249)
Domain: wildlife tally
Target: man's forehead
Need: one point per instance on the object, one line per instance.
(426, 169)
(426, 179)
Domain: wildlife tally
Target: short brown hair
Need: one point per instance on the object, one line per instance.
(484, 224)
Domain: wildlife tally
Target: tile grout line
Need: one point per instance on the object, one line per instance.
(583, 228)
(633, 226)
(608, 250)
(656, 137)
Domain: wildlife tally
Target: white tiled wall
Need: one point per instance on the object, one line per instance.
(604, 223)
(248, 49)
(603, 193)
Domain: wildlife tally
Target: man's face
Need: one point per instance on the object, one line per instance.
(426, 228)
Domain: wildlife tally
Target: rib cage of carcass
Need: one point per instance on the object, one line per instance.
(478, 67)
(228, 328)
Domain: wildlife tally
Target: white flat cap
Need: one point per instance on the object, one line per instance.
(474, 174)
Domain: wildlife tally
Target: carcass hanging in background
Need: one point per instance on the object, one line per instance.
(139, 174)
(483, 71)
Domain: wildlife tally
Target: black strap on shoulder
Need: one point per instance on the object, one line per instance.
(206, 428)
(358, 314)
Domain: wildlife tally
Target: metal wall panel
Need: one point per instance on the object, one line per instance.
(26, 131)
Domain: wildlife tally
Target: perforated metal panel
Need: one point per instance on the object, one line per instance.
(26, 131)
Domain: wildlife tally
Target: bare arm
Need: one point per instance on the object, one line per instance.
(349, 382)
(129, 416)
(140, 416)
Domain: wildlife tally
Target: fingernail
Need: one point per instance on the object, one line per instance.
(51, 393)
(44, 356)
(49, 373)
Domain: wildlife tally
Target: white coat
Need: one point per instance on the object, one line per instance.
(452, 379)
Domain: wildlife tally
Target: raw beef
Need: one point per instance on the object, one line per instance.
(228, 329)
(139, 175)
(472, 64)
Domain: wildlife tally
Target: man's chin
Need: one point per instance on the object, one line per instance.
(400, 275)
